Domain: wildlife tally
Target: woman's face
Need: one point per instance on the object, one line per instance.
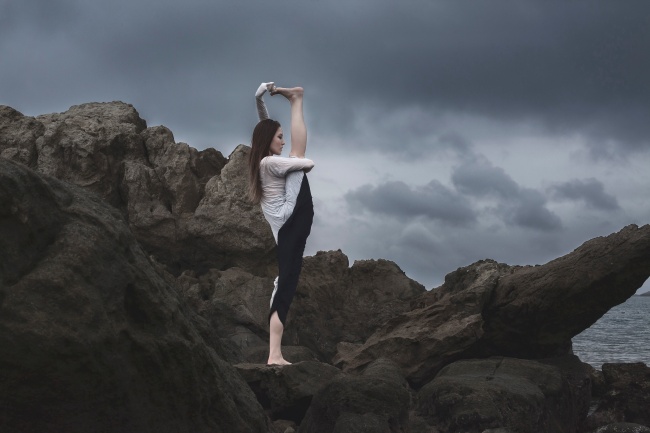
(277, 143)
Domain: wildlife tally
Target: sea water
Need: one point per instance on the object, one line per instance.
(621, 335)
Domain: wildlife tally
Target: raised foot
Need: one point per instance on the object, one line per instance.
(289, 93)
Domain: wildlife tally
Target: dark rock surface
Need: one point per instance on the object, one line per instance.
(521, 395)
(335, 302)
(358, 299)
(623, 427)
(624, 397)
(186, 207)
(376, 401)
(91, 337)
(493, 309)
(287, 391)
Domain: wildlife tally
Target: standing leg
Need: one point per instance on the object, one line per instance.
(298, 127)
(275, 340)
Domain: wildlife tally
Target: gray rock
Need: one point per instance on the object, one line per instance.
(515, 394)
(428, 337)
(337, 303)
(91, 337)
(623, 427)
(493, 309)
(626, 397)
(287, 391)
(376, 401)
(188, 208)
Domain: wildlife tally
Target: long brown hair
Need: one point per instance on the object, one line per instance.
(260, 147)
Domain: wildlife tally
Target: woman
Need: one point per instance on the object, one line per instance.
(281, 187)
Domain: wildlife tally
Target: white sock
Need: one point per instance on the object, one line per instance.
(262, 112)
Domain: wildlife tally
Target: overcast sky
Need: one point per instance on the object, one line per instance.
(443, 132)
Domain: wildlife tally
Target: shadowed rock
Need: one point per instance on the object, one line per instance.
(335, 302)
(91, 337)
(623, 427)
(287, 391)
(377, 401)
(528, 312)
(625, 396)
(518, 395)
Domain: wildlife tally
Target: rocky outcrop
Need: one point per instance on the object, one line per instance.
(91, 337)
(493, 309)
(334, 302)
(623, 397)
(186, 207)
(127, 317)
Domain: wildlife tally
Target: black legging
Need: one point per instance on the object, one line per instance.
(292, 238)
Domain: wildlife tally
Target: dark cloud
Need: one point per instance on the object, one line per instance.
(433, 201)
(590, 191)
(529, 211)
(478, 177)
(571, 67)
(524, 207)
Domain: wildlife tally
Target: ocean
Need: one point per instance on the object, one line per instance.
(621, 335)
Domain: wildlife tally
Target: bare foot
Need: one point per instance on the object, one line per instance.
(280, 361)
(289, 93)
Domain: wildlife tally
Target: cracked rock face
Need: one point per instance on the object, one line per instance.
(187, 207)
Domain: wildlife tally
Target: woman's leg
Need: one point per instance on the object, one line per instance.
(275, 340)
(298, 127)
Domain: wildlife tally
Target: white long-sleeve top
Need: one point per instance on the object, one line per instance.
(281, 180)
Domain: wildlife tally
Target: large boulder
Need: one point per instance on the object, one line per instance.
(514, 394)
(187, 207)
(376, 401)
(493, 309)
(337, 303)
(427, 338)
(92, 338)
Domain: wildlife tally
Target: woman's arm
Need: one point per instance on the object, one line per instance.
(279, 166)
(262, 112)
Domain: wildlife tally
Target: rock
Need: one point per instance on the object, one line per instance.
(376, 401)
(425, 339)
(188, 208)
(294, 354)
(499, 393)
(285, 426)
(536, 310)
(92, 338)
(333, 303)
(623, 427)
(493, 309)
(336, 303)
(287, 391)
(627, 396)
(235, 304)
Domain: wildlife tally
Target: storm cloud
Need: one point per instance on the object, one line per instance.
(590, 191)
(442, 133)
(433, 201)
